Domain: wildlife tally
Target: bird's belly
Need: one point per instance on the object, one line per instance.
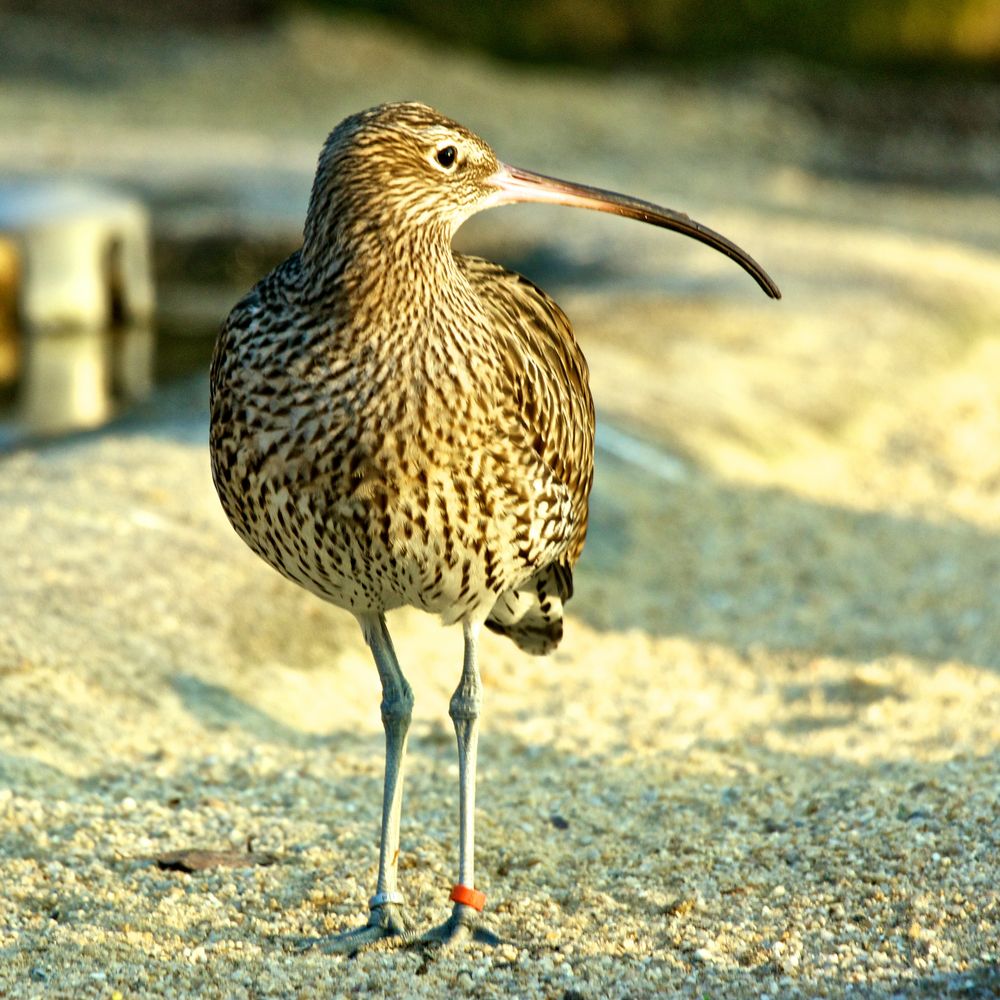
(435, 542)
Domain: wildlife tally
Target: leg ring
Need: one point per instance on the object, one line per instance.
(468, 897)
(381, 898)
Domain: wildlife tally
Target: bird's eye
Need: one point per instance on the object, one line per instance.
(446, 156)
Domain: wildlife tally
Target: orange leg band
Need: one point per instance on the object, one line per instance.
(468, 897)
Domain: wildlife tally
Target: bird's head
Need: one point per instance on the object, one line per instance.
(399, 167)
(404, 171)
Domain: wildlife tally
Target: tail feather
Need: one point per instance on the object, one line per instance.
(532, 614)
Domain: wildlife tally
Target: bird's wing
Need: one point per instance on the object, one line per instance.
(548, 380)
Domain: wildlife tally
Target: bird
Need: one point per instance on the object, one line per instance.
(394, 423)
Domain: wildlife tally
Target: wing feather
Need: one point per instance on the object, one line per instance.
(547, 380)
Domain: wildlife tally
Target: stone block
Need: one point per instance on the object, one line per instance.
(84, 256)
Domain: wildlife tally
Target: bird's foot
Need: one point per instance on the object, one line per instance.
(461, 928)
(386, 921)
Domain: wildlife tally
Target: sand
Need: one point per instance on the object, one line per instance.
(763, 762)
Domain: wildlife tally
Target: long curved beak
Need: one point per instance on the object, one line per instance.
(515, 185)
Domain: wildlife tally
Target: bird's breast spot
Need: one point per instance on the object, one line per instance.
(350, 508)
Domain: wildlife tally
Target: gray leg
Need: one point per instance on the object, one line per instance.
(464, 709)
(386, 919)
(397, 710)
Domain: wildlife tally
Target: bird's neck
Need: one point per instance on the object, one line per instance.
(374, 266)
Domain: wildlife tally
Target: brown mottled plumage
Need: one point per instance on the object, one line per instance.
(397, 424)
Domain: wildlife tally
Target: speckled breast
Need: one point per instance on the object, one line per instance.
(373, 510)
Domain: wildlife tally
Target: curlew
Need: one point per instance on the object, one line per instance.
(394, 423)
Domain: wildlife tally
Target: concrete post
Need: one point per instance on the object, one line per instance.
(80, 257)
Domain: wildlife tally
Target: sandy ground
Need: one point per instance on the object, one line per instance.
(764, 761)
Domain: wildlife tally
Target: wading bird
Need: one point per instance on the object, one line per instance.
(394, 423)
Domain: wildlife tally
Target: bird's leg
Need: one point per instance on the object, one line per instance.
(397, 710)
(386, 918)
(464, 710)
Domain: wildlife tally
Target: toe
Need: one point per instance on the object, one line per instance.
(385, 922)
(463, 927)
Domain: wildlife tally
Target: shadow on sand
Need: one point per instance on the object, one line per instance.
(749, 567)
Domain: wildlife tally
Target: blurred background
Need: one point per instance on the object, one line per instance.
(829, 138)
